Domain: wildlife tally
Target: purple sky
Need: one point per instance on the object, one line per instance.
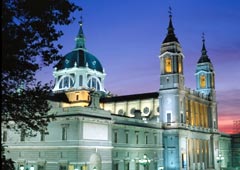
(126, 36)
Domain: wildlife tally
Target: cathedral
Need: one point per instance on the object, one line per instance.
(174, 128)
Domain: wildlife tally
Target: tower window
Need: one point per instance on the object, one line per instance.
(168, 65)
(168, 117)
(202, 81)
(179, 65)
(213, 86)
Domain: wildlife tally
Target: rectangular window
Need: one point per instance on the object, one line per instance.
(84, 167)
(126, 167)
(80, 80)
(137, 138)
(137, 166)
(42, 135)
(168, 65)
(63, 167)
(155, 138)
(191, 113)
(40, 167)
(64, 133)
(115, 137)
(180, 65)
(22, 136)
(168, 117)
(126, 137)
(4, 136)
(203, 81)
(146, 139)
(115, 167)
(181, 118)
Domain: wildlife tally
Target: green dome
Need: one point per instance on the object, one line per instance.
(80, 58)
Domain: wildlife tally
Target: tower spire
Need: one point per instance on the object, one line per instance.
(170, 35)
(204, 57)
(204, 51)
(80, 39)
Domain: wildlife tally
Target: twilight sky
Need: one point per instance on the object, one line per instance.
(126, 36)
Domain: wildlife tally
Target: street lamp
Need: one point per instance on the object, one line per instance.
(220, 158)
(145, 161)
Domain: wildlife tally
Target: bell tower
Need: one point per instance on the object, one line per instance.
(171, 60)
(205, 76)
(171, 96)
(171, 77)
(205, 81)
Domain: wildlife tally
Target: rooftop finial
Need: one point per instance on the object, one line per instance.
(170, 11)
(203, 37)
(170, 36)
(80, 40)
(204, 57)
(81, 21)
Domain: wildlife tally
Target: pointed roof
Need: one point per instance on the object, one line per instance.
(204, 57)
(80, 39)
(170, 35)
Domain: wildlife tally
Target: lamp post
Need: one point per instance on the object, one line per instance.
(220, 158)
(145, 162)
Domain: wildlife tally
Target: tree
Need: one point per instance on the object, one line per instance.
(30, 31)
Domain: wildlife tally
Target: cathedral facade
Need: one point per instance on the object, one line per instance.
(175, 128)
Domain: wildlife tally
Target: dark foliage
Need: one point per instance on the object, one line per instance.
(7, 164)
(30, 31)
(29, 42)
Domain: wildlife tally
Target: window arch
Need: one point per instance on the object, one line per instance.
(94, 82)
(66, 82)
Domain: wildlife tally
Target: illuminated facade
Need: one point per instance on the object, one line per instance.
(173, 128)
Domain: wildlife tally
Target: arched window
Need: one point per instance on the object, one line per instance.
(93, 82)
(66, 82)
